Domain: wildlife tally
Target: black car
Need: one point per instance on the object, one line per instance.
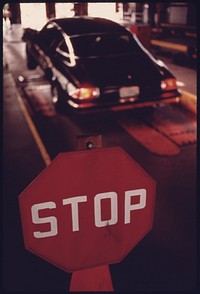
(95, 63)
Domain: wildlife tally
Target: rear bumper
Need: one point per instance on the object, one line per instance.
(122, 104)
(147, 104)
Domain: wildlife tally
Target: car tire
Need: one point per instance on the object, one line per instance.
(58, 101)
(31, 62)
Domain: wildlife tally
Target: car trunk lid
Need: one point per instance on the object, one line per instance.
(117, 71)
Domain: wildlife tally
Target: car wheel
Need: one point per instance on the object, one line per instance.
(31, 62)
(58, 101)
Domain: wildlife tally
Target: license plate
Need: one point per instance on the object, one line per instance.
(129, 91)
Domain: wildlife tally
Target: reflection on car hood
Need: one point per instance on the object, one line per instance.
(117, 70)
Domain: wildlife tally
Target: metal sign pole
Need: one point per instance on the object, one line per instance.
(96, 278)
(92, 279)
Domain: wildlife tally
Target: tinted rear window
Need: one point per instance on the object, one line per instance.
(104, 45)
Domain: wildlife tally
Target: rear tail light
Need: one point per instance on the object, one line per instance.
(169, 84)
(85, 93)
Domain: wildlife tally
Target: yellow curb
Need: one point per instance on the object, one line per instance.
(189, 101)
(33, 130)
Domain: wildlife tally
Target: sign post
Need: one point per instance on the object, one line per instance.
(86, 210)
(92, 279)
(95, 278)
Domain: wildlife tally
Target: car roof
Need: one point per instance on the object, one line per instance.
(88, 25)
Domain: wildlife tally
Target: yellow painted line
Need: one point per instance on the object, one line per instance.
(34, 131)
(189, 101)
(179, 47)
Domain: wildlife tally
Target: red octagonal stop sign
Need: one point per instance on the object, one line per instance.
(87, 208)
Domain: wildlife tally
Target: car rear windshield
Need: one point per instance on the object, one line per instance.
(104, 45)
